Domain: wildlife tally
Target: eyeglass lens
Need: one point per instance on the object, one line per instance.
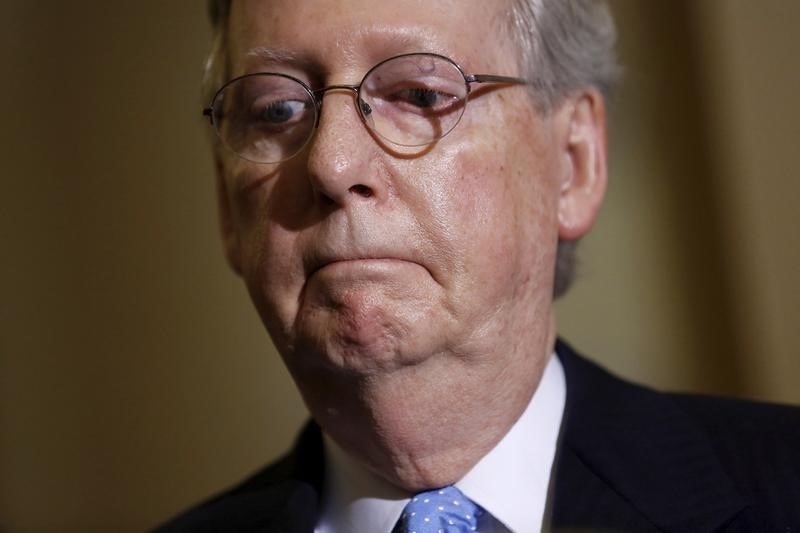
(409, 100)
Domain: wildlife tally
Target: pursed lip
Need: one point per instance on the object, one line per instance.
(333, 251)
(356, 259)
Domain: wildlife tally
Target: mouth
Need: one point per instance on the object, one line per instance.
(360, 264)
(378, 262)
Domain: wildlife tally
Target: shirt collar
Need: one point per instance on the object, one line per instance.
(510, 482)
(354, 499)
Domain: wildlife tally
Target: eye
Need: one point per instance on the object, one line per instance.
(280, 112)
(423, 99)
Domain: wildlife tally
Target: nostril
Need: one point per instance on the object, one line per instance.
(361, 190)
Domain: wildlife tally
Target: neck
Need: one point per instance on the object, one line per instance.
(426, 426)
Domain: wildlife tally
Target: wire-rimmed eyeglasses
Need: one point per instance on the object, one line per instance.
(409, 100)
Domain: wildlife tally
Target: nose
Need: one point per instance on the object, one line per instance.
(342, 157)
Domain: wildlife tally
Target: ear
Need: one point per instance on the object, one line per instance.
(583, 183)
(230, 237)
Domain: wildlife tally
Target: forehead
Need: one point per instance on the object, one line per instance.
(338, 33)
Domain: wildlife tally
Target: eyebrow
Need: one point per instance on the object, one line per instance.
(385, 43)
(279, 56)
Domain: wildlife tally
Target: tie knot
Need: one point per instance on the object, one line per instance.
(444, 510)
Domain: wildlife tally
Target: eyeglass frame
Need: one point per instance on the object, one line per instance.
(318, 94)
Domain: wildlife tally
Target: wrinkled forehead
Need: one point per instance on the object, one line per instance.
(349, 34)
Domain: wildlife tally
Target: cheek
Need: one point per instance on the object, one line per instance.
(268, 194)
(265, 205)
(274, 276)
(501, 208)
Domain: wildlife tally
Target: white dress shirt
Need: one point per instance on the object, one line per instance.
(510, 482)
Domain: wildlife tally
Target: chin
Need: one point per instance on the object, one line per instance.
(366, 333)
(362, 346)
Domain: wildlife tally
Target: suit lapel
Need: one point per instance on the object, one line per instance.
(581, 499)
(282, 498)
(294, 503)
(630, 458)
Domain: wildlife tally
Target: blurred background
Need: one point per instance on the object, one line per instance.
(135, 379)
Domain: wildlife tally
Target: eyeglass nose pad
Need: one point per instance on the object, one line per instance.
(366, 113)
(366, 110)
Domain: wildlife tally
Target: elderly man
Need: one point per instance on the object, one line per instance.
(400, 183)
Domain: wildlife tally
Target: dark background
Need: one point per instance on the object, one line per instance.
(134, 376)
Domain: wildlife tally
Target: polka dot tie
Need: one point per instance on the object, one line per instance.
(444, 510)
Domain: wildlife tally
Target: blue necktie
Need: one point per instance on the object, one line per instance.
(444, 510)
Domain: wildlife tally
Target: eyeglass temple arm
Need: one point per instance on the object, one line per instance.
(491, 78)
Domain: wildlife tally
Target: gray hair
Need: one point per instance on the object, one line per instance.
(565, 45)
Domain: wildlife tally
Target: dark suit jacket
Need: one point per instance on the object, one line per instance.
(630, 459)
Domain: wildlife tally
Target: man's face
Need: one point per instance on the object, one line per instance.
(377, 267)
